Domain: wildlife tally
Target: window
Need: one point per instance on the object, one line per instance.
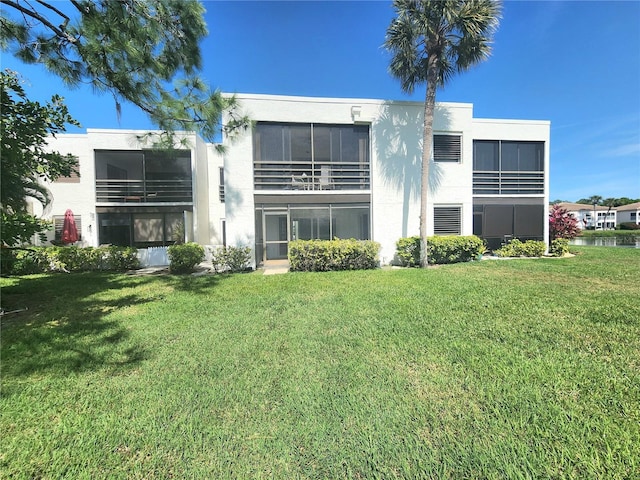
(310, 157)
(221, 186)
(140, 229)
(446, 148)
(73, 178)
(143, 176)
(447, 221)
(58, 225)
(507, 167)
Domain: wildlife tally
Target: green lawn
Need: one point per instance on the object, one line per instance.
(494, 369)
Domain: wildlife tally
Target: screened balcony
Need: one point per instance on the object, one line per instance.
(311, 157)
(508, 168)
(143, 177)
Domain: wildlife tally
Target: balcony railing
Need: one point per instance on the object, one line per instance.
(507, 182)
(303, 176)
(138, 191)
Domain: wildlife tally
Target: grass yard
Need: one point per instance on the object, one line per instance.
(495, 369)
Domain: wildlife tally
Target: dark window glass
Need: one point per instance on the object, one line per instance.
(285, 160)
(486, 155)
(160, 166)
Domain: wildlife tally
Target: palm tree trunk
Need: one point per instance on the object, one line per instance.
(427, 147)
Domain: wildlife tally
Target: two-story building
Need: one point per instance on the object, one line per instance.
(313, 168)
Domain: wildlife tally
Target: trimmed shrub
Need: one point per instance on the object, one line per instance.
(440, 249)
(74, 259)
(231, 259)
(454, 248)
(327, 255)
(516, 248)
(559, 247)
(184, 257)
(408, 251)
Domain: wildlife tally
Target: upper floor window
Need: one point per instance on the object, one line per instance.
(311, 156)
(73, 178)
(508, 167)
(447, 148)
(143, 176)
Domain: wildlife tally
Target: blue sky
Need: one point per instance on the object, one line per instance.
(574, 63)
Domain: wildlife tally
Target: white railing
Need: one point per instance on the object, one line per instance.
(153, 256)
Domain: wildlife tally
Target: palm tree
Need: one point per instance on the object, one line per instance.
(595, 200)
(430, 41)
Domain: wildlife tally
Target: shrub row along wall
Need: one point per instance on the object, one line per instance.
(440, 249)
(68, 259)
(530, 248)
(326, 255)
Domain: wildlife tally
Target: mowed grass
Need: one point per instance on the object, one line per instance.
(495, 369)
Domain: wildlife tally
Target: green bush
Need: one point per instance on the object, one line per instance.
(408, 251)
(231, 259)
(338, 254)
(559, 247)
(453, 249)
(440, 249)
(184, 257)
(74, 259)
(516, 248)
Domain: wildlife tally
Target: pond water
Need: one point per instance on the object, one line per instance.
(629, 241)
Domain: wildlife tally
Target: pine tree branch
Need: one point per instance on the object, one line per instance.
(36, 16)
(51, 7)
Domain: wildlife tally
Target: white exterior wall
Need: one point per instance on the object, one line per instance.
(216, 208)
(396, 156)
(624, 214)
(395, 162)
(201, 190)
(519, 130)
(79, 197)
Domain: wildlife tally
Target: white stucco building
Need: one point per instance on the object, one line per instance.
(629, 213)
(313, 168)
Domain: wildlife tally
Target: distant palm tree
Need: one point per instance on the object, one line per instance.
(430, 41)
(595, 200)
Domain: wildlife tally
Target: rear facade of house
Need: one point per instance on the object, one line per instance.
(312, 168)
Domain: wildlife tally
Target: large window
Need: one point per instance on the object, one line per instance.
(143, 176)
(140, 229)
(276, 225)
(497, 224)
(506, 167)
(311, 157)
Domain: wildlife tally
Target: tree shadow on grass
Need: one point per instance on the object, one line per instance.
(68, 326)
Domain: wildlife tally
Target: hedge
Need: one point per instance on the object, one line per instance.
(516, 248)
(440, 249)
(338, 254)
(68, 259)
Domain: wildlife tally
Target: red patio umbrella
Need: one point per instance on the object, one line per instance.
(69, 229)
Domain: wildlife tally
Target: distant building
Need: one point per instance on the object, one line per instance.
(313, 168)
(605, 218)
(629, 213)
